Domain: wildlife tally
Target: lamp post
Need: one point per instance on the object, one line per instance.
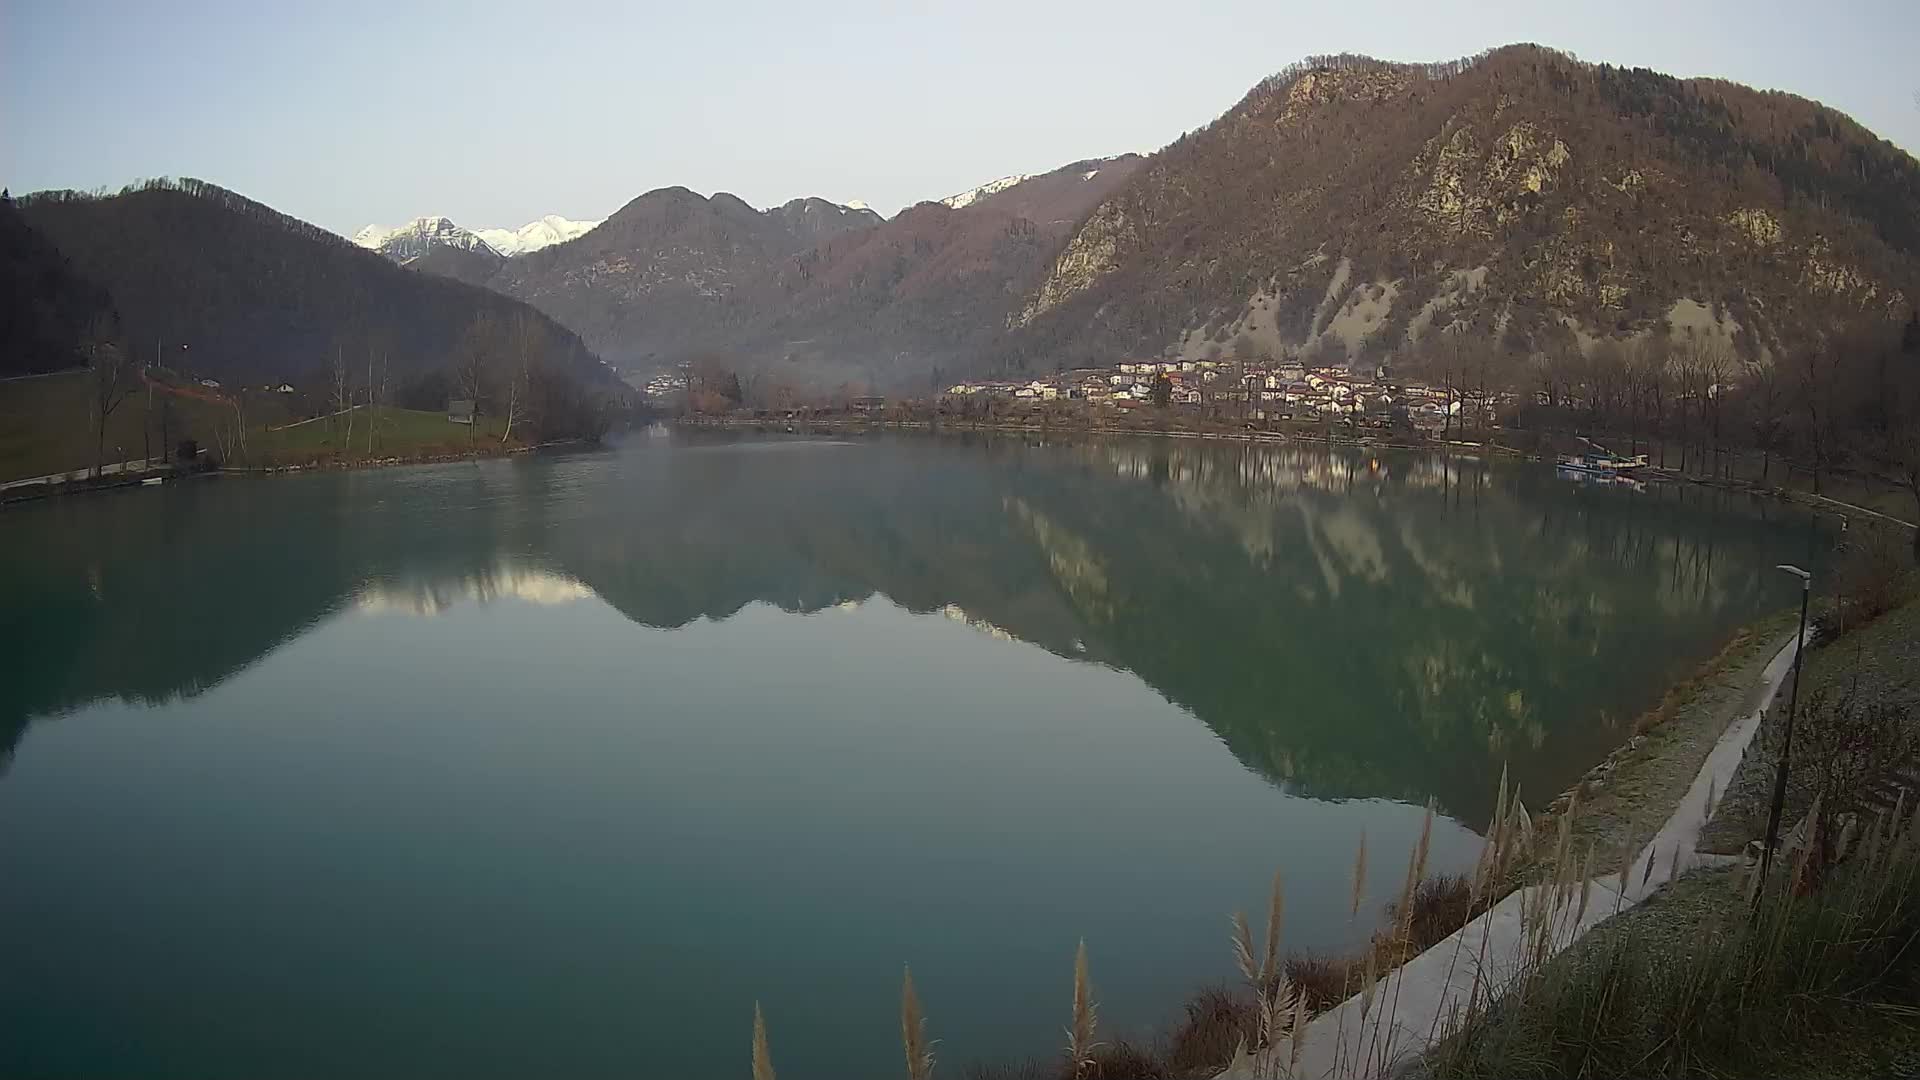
(1786, 742)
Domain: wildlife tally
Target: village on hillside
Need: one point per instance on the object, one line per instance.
(1252, 391)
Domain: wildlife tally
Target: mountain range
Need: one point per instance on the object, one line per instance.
(1515, 204)
(817, 287)
(408, 242)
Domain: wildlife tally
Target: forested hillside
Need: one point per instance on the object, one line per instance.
(1534, 204)
(257, 296)
(49, 308)
(671, 271)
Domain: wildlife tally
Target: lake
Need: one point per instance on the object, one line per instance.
(556, 765)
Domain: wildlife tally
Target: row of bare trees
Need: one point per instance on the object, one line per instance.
(1693, 404)
(502, 366)
(113, 376)
(505, 370)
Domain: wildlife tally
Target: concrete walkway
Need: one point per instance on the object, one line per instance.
(1417, 1005)
(1889, 518)
(112, 468)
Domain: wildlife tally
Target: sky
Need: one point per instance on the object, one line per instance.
(494, 113)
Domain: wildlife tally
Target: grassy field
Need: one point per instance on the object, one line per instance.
(46, 427)
(393, 432)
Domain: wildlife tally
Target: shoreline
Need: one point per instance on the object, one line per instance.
(24, 493)
(831, 425)
(1433, 991)
(1639, 783)
(828, 425)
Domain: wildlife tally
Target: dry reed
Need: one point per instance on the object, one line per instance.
(1080, 1044)
(1270, 961)
(913, 1032)
(1359, 876)
(762, 1061)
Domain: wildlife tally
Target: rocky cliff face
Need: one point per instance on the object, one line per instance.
(1348, 208)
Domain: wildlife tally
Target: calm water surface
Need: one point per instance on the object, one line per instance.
(557, 766)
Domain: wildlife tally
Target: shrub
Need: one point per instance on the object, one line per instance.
(1216, 1020)
(1122, 1060)
(1440, 906)
(1870, 579)
(1853, 744)
(1324, 980)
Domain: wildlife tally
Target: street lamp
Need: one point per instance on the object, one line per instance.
(1786, 742)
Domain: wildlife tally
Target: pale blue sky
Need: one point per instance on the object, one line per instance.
(493, 113)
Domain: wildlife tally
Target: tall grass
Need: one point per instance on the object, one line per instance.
(1732, 997)
(1278, 1013)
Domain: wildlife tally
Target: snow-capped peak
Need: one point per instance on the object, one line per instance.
(417, 237)
(549, 230)
(967, 198)
(412, 240)
(372, 236)
(854, 204)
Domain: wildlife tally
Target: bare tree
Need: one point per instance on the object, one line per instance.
(1817, 378)
(379, 397)
(1901, 446)
(1637, 373)
(1766, 405)
(1716, 372)
(107, 382)
(1904, 455)
(474, 360)
(1605, 374)
(1451, 372)
(342, 390)
(516, 369)
(373, 405)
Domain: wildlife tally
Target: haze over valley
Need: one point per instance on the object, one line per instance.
(1001, 541)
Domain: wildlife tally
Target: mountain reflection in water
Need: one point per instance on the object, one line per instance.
(435, 597)
(1350, 624)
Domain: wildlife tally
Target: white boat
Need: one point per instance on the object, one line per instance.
(1586, 466)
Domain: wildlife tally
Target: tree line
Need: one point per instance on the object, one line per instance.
(1691, 403)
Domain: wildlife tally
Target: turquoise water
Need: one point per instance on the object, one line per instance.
(558, 765)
